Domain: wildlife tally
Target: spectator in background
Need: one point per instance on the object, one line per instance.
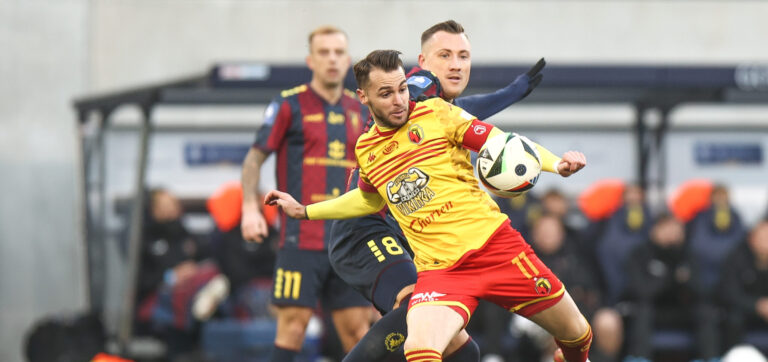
(744, 285)
(620, 233)
(176, 288)
(609, 336)
(659, 285)
(555, 203)
(551, 243)
(712, 234)
(522, 211)
(248, 266)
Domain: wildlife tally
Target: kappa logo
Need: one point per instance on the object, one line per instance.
(426, 297)
(409, 191)
(479, 129)
(393, 340)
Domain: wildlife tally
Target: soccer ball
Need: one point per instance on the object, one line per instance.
(508, 165)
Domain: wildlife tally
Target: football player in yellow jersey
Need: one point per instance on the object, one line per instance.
(464, 247)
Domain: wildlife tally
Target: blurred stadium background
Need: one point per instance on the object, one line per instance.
(652, 91)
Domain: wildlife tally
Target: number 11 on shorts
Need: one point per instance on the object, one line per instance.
(523, 257)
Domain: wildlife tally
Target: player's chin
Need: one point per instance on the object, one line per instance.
(399, 120)
(453, 92)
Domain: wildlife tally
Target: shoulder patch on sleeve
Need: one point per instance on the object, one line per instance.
(271, 112)
(419, 81)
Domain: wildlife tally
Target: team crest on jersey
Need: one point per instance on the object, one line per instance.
(543, 286)
(415, 134)
(409, 191)
(393, 340)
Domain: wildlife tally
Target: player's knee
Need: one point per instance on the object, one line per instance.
(293, 322)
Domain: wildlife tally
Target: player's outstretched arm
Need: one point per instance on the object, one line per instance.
(483, 106)
(355, 203)
(571, 162)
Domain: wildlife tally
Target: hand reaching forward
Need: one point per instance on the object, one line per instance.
(290, 206)
(570, 163)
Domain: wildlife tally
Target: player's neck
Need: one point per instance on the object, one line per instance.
(329, 94)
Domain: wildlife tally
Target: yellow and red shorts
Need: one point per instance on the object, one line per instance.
(505, 271)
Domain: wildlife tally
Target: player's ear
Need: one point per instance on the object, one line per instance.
(308, 59)
(361, 96)
(421, 60)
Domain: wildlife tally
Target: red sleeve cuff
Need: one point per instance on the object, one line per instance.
(476, 134)
(366, 187)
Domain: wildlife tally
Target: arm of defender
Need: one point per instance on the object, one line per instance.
(483, 106)
(355, 203)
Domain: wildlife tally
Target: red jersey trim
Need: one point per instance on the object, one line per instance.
(366, 187)
(417, 115)
(427, 145)
(402, 165)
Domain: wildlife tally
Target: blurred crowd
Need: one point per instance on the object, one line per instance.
(688, 282)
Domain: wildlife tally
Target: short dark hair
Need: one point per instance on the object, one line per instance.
(448, 26)
(386, 60)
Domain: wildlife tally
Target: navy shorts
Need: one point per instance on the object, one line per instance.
(375, 263)
(304, 277)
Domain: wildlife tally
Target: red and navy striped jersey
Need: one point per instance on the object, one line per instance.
(314, 142)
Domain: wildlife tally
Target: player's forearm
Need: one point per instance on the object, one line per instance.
(484, 106)
(250, 178)
(355, 203)
(549, 160)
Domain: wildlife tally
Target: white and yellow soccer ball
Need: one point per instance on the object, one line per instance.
(508, 164)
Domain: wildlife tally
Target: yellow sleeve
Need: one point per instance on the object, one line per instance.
(549, 161)
(355, 203)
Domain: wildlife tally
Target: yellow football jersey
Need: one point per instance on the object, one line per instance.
(426, 178)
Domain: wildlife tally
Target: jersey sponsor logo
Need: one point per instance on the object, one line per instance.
(415, 134)
(323, 197)
(479, 129)
(393, 340)
(335, 118)
(315, 117)
(409, 191)
(336, 149)
(390, 147)
(543, 286)
(426, 297)
(354, 119)
(419, 224)
(271, 113)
